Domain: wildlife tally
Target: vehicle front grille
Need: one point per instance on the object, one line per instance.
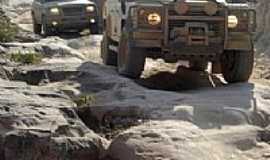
(72, 10)
(178, 28)
(193, 11)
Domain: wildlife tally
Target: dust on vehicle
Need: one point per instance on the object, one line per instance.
(198, 31)
(50, 16)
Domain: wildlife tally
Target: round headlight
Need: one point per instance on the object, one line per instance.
(211, 8)
(90, 8)
(181, 7)
(232, 21)
(154, 19)
(54, 11)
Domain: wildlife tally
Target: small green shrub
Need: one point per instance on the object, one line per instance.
(27, 58)
(8, 31)
(85, 100)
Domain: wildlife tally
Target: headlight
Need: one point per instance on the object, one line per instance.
(211, 8)
(154, 19)
(90, 8)
(232, 21)
(181, 7)
(54, 11)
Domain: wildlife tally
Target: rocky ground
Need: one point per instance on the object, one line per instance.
(68, 106)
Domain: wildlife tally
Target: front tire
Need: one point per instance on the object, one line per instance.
(108, 56)
(131, 60)
(237, 66)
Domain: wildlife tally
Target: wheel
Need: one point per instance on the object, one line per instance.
(108, 56)
(237, 66)
(94, 29)
(131, 60)
(36, 27)
(198, 65)
(47, 30)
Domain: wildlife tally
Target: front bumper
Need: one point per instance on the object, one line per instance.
(196, 36)
(180, 46)
(72, 22)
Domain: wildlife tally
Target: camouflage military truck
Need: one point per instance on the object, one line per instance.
(198, 31)
(57, 15)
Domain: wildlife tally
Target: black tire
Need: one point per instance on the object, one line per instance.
(47, 30)
(94, 29)
(108, 56)
(237, 66)
(131, 60)
(198, 65)
(36, 27)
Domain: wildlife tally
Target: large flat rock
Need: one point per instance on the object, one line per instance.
(41, 124)
(212, 113)
(170, 139)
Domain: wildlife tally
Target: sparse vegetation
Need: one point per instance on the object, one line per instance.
(8, 30)
(27, 58)
(85, 100)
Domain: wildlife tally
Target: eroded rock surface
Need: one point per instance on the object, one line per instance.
(176, 140)
(40, 124)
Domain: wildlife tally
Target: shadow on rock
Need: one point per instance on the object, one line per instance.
(69, 35)
(183, 79)
(121, 103)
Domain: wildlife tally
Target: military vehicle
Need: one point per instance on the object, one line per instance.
(100, 4)
(57, 15)
(198, 31)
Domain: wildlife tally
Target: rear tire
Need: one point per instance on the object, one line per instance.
(131, 60)
(108, 56)
(237, 66)
(198, 65)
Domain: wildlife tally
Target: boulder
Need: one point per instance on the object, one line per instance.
(2, 50)
(3, 73)
(51, 72)
(159, 140)
(50, 47)
(263, 27)
(40, 123)
(38, 145)
(123, 102)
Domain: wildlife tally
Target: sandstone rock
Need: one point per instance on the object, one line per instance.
(37, 145)
(121, 101)
(263, 27)
(26, 37)
(2, 50)
(265, 135)
(180, 141)
(40, 124)
(50, 47)
(52, 72)
(2, 73)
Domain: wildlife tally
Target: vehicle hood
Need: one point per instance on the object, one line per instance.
(161, 2)
(69, 3)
